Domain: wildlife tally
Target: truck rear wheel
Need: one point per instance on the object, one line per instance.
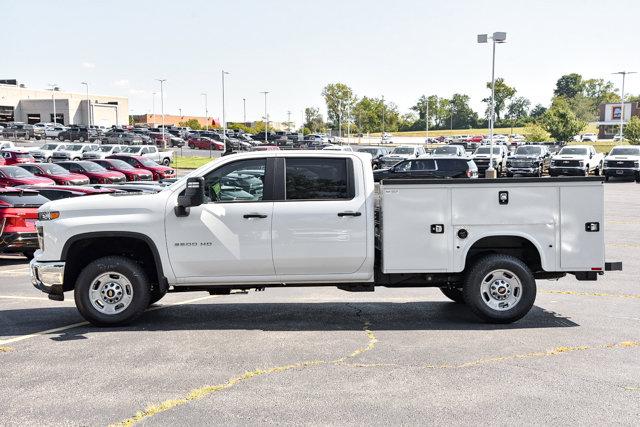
(454, 294)
(111, 291)
(500, 288)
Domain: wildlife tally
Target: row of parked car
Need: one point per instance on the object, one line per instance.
(525, 160)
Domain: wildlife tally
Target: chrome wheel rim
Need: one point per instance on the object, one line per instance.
(111, 293)
(501, 290)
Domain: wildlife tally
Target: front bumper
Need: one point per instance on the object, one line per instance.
(556, 171)
(522, 171)
(622, 172)
(48, 276)
(18, 242)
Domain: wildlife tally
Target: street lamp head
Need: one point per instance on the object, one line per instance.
(499, 37)
(482, 38)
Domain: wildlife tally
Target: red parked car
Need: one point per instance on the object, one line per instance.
(159, 171)
(55, 172)
(96, 173)
(14, 175)
(132, 173)
(12, 157)
(204, 143)
(18, 215)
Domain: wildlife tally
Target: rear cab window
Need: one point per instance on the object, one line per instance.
(316, 178)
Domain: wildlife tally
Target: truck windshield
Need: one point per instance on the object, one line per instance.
(449, 149)
(624, 151)
(75, 147)
(131, 149)
(487, 150)
(528, 151)
(49, 147)
(574, 151)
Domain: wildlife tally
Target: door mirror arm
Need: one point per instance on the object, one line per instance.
(193, 196)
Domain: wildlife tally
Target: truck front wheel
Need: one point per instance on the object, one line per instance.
(111, 291)
(454, 294)
(500, 288)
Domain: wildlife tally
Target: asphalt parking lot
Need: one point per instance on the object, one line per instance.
(324, 356)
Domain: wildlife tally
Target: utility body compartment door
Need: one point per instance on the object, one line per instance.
(416, 229)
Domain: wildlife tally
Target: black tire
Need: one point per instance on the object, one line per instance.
(49, 159)
(192, 146)
(27, 137)
(476, 299)
(539, 173)
(29, 254)
(606, 178)
(454, 294)
(122, 267)
(61, 138)
(597, 171)
(81, 139)
(166, 161)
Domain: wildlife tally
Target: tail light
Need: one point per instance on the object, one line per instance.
(18, 220)
(469, 173)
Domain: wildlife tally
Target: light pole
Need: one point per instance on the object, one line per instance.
(153, 109)
(624, 75)
(88, 105)
(426, 121)
(266, 116)
(244, 111)
(206, 112)
(224, 122)
(53, 99)
(382, 137)
(180, 110)
(288, 121)
(164, 143)
(497, 37)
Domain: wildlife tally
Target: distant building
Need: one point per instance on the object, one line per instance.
(155, 120)
(277, 126)
(609, 117)
(22, 104)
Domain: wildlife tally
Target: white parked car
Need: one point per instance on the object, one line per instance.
(338, 148)
(103, 151)
(497, 140)
(72, 151)
(623, 161)
(54, 131)
(44, 153)
(449, 150)
(7, 145)
(576, 160)
(222, 228)
(589, 137)
(386, 138)
(150, 151)
(482, 156)
(400, 153)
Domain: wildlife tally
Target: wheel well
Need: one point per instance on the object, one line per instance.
(86, 250)
(516, 246)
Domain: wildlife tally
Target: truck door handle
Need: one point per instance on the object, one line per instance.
(341, 214)
(253, 215)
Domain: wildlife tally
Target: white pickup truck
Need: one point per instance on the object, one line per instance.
(302, 218)
(150, 151)
(577, 160)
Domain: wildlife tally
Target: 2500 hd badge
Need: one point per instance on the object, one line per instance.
(192, 244)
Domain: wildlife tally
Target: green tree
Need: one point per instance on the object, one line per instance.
(535, 133)
(518, 109)
(600, 91)
(537, 111)
(131, 121)
(463, 115)
(368, 113)
(502, 93)
(192, 123)
(632, 130)
(340, 101)
(313, 120)
(631, 98)
(569, 85)
(560, 121)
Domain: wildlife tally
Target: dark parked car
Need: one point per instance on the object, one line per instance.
(377, 153)
(430, 167)
(18, 214)
(96, 173)
(529, 160)
(119, 137)
(77, 133)
(204, 143)
(21, 130)
(132, 174)
(159, 171)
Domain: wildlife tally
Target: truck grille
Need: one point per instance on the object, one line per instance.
(620, 163)
(569, 163)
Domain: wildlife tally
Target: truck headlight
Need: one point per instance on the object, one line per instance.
(48, 215)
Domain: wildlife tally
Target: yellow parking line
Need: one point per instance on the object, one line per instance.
(75, 325)
(590, 294)
(201, 392)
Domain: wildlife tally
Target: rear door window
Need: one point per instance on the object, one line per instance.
(318, 179)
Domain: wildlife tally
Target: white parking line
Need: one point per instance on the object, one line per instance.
(75, 325)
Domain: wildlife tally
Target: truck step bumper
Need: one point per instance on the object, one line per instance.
(613, 266)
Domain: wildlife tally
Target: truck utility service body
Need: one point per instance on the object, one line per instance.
(315, 218)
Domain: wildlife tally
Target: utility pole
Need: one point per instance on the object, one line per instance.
(224, 121)
(206, 111)
(180, 110)
(624, 75)
(288, 121)
(153, 109)
(382, 115)
(426, 121)
(88, 105)
(164, 143)
(266, 116)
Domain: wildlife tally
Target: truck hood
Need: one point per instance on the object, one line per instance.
(523, 157)
(107, 205)
(622, 158)
(570, 157)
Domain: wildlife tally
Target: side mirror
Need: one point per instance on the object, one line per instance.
(193, 196)
(591, 155)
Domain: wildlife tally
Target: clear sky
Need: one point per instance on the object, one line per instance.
(292, 48)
